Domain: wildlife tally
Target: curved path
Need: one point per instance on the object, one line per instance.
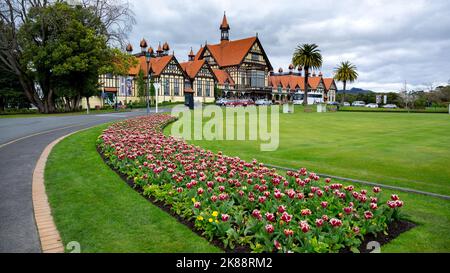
(22, 141)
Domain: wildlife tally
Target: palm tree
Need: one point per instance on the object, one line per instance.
(308, 56)
(345, 72)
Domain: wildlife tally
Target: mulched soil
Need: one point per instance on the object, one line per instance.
(394, 229)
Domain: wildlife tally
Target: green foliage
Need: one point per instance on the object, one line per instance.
(308, 56)
(141, 84)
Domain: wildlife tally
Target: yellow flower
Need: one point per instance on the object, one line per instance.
(193, 200)
(210, 220)
(200, 218)
(217, 221)
(215, 213)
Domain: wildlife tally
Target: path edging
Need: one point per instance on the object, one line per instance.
(49, 237)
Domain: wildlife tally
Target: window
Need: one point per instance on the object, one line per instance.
(199, 88)
(279, 88)
(255, 57)
(166, 87)
(208, 89)
(257, 78)
(176, 88)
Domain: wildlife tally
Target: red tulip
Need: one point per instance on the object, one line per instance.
(225, 217)
(394, 197)
(200, 191)
(270, 217)
(319, 222)
(257, 214)
(335, 222)
(286, 217)
(281, 209)
(324, 204)
(306, 212)
(197, 205)
(304, 226)
(269, 229)
(288, 232)
(376, 189)
(368, 215)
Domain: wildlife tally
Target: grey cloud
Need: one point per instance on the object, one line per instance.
(389, 41)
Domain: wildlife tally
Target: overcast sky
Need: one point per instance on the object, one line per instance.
(389, 41)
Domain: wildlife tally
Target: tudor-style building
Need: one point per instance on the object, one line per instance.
(243, 64)
(291, 86)
(200, 81)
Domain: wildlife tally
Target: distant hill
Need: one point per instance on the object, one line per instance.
(355, 90)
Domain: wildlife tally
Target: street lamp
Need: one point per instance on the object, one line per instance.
(147, 58)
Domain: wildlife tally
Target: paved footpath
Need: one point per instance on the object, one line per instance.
(22, 141)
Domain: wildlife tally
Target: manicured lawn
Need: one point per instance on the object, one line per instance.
(92, 205)
(407, 150)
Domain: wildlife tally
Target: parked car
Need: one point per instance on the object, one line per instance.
(221, 101)
(372, 105)
(247, 102)
(346, 103)
(359, 103)
(333, 103)
(390, 106)
(297, 102)
(263, 102)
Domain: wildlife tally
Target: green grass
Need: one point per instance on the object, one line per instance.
(407, 150)
(92, 205)
(411, 150)
(401, 110)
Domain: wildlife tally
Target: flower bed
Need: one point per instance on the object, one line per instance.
(244, 203)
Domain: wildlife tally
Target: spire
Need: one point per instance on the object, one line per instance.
(159, 51)
(129, 48)
(191, 55)
(224, 24)
(224, 29)
(143, 45)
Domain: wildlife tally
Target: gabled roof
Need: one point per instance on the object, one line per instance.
(328, 82)
(157, 65)
(293, 81)
(229, 53)
(191, 68)
(223, 76)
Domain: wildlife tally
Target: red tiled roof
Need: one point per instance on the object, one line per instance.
(292, 81)
(229, 53)
(222, 76)
(157, 65)
(327, 82)
(191, 68)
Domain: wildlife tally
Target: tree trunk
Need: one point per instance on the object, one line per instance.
(305, 97)
(88, 106)
(343, 91)
(2, 104)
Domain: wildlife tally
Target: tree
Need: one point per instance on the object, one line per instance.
(115, 16)
(141, 85)
(345, 72)
(308, 56)
(73, 53)
(11, 94)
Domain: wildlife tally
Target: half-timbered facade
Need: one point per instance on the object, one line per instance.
(291, 86)
(201, 79)
(244, 61)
